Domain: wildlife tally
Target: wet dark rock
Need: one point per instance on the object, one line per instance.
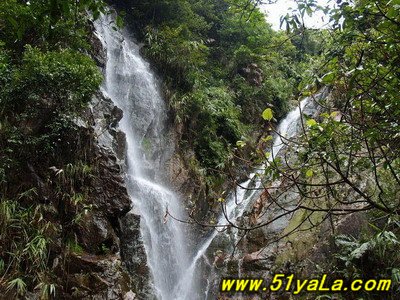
(99, 272)
(96, 277)
(255, 240)
(256, 262)
(96, 233)
(110, 193)
(120, 143)
(188, 184)
(116, 115)
(116, 224)
(133, 253)
(98, 53)
(253, 74)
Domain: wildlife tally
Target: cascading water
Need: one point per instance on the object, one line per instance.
(243, 197)
(177, 271)
(133, 88)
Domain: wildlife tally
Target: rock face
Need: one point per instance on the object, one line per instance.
(98, 271)
(253, 74)
(133, 254)
(109, 197)
(87, 237)
(189, 185)
(81, 199)
(109, 231)
(121, 228)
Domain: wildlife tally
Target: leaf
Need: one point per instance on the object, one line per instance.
(17, 283)
(96, 14)
(309, 11)
(328, 78)
(334, 114)
(119, 21)
(325, 115)
(396, 275)
(65, 8)
(1, 265)
(282, 19)
(13, 22)
(267, 114)
(309, 173)
(267, 138)
(311, 122)
(360, 251)
(240, 144)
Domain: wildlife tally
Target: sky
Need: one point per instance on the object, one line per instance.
(281, 7)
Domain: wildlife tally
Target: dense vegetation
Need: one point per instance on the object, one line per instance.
(222, 65)
(46, 79)
(349, 159)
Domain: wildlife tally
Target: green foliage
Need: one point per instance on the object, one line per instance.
(26, 253)
(46, 79)
(358, 136)
(47, 290)
(347, 156)
(267, 114)
(35, 118)
(222, 64)
(70, 79)
(18, 284)
(74, 247)
(372, 256)
(174, 49)
(46, 23)
(215, 120)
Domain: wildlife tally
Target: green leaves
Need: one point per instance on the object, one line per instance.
(327, 78)
(46, 79)
(119, 21)
(267, 114)
(240, 144)
(267, 138)
(49, 24)
(70, 77)
(311, 122)
(17, 284)
(309, 173)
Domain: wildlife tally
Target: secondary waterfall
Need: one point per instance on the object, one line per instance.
(247, 192)
(178, 273)
(132, 86)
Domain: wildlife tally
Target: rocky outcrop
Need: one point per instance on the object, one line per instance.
(83, 199)
(109, 232)
(134, 255)
(253, 74)
(131, 252)
(97, 270)
(188, 184)
(108, 195)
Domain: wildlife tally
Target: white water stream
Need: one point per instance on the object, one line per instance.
(132, 86)
(246, 192)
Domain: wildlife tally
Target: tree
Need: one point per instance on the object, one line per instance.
(346, 159)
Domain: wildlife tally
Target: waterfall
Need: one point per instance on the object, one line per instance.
(176, 270)
(246, 192)
(132, 86)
